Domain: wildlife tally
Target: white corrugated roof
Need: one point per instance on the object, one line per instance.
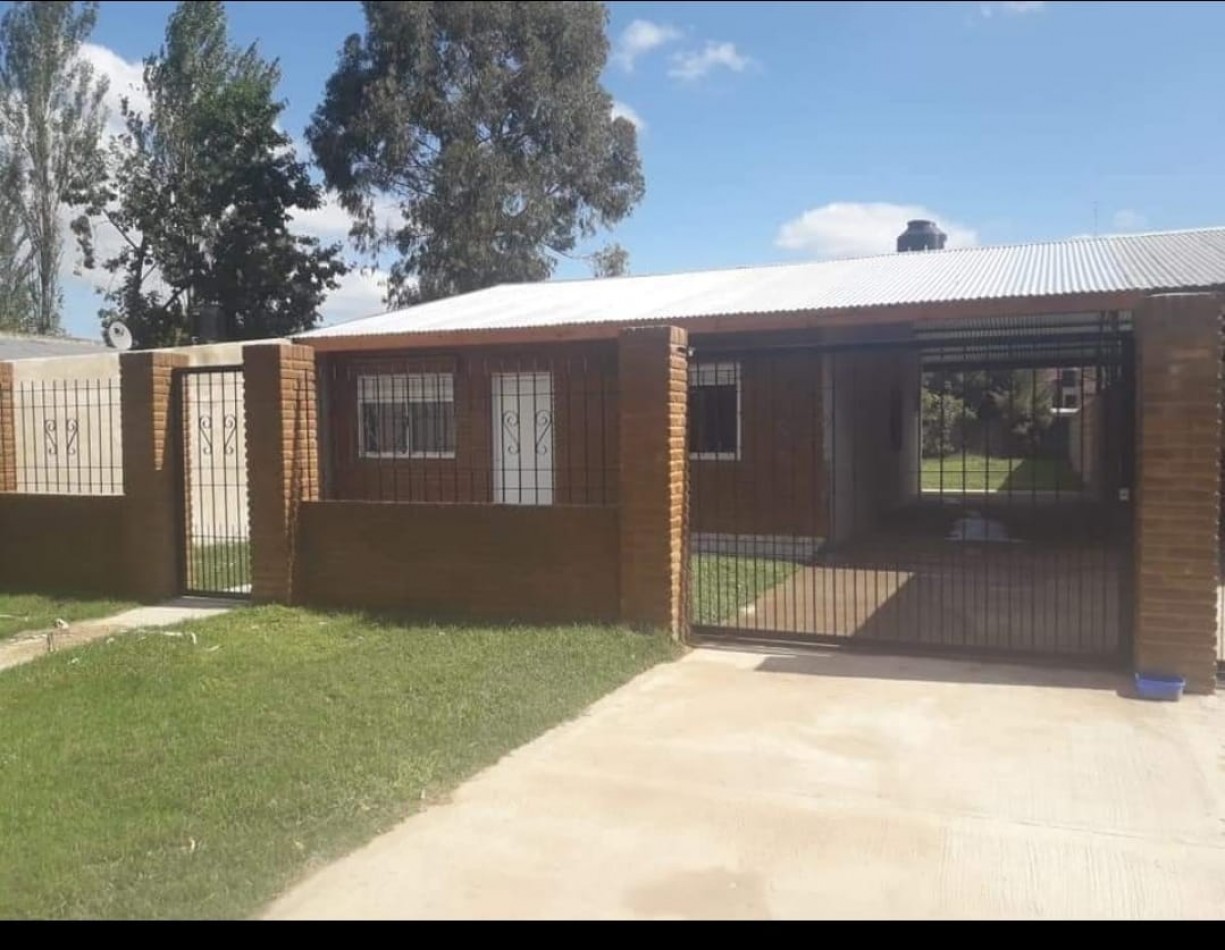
(25, 346)
(1171, 260)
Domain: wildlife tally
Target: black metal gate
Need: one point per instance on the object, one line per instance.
(966, 488)
(215, 557)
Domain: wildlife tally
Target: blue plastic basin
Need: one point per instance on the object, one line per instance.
(1161, 686)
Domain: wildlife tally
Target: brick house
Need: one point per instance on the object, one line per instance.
(861, 453)
(797, 442)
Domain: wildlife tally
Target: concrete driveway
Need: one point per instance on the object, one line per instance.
(752, 785)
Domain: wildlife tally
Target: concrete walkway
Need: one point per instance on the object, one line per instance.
(756, 785)
(25, 647)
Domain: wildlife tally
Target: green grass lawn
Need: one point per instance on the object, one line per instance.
(22, 612)
(723, 584)
(977, 473)
(157, 777)
(220, 566)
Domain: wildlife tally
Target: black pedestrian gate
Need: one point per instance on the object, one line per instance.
(215, 558)
(967, 489)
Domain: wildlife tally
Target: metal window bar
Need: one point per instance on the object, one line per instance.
(480, 427)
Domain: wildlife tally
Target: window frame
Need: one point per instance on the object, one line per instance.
(716, 375)
(372, 389)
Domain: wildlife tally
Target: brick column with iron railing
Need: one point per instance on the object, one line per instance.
(282, 460)
(1178, 433)
(151, 483)
(653, 368)
(8, 431)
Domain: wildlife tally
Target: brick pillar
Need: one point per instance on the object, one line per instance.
(282, 459)
(8, 432)
(653, 391)
(1178, 431)
(151, 483)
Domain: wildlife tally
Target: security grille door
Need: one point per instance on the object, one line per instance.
(215, 555)
(523, 438)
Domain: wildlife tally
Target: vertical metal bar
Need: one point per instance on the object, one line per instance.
(1033, 495)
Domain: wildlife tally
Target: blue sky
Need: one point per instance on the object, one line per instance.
(790, 131)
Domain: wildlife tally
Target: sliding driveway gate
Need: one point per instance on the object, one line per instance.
(966, 489)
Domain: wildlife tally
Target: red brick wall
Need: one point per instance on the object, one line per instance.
(65, 544)
(777, 486)
(8, 438)
(479, 561)
(151, 503)
(1178, 486)
(653, 373)
(282, 459)
(584, 426)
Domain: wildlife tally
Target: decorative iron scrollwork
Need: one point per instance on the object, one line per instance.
(205, 427)
(70, 441)
(51, 440)
(230, 438)
(510, 432)
(544, 425)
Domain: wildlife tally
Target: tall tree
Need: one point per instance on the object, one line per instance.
(202, 191)
(16, 263)
(486, 125)
(51, 118)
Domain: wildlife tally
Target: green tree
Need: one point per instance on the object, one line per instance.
(610, 261)
(486, 126)
(16, 263)
(202, 191)
(51, 118)
(943, 419)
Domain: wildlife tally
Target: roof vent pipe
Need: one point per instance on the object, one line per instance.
(921, 236)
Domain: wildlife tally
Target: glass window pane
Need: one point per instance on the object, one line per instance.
(712, 420)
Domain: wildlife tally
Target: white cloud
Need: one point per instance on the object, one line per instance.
(853, 229)
(640, 38)
(1128, 220)
(621, 110)
(1012, 7)
(694, 64)
(360, 294)
(126, 79)
(329, 222)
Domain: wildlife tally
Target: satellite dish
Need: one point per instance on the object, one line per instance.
(118, 336)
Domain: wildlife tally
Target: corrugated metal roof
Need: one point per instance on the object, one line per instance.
(1172, 260)
(21, 346)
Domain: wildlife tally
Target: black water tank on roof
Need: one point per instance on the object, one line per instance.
(921, 236)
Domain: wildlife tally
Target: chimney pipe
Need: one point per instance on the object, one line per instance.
(921, 236)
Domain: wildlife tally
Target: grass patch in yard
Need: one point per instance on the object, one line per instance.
(156, 777)
(722, 584)
(977, 473)
(26, 612)
(220, 566)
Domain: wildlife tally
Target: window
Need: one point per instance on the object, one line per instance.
(407, 416)
(714, 411)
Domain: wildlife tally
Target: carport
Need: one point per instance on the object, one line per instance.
(968, 488)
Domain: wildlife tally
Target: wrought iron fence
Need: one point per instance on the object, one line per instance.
(65, 436)
(968, 491)
(491, 428)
